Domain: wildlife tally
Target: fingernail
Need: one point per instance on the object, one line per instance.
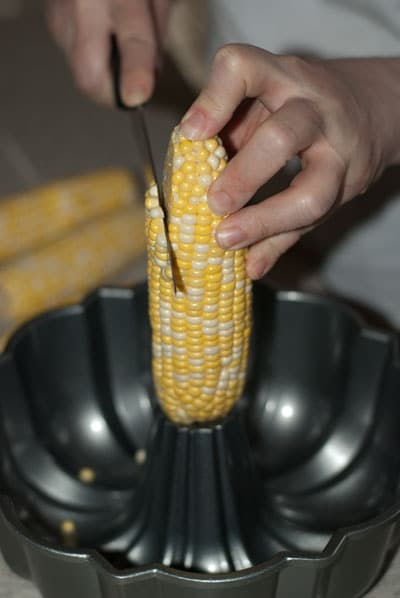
(220, 203)
(192, 125)
(229, 237)
(135, 97)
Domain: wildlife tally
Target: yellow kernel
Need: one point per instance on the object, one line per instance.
(221, 165)
(202, 155)
(87, 475)
(68, 527)
(198, 190)
(188, 167)
(177, 177)
(204, 168)
(211, 144)
(185, 146)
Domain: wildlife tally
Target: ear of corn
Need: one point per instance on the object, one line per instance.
(201, 333)
(34, 218)
(62, 271)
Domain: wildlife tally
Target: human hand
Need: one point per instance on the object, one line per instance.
(338, 116)
(83, 29)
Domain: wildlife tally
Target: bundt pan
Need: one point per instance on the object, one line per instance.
(295, 494)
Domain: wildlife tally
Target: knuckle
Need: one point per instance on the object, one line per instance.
(257, 225)
(293, 63)
(282, 138)
(232, 57)
(312, 209)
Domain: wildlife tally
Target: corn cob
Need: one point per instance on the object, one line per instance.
(200, 334)
(34, 218)
(62, 272)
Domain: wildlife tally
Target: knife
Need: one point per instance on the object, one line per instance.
(139, 122)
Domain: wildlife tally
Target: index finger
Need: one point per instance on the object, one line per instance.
(138, 44)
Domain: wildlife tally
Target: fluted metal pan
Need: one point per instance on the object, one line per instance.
(296, 493)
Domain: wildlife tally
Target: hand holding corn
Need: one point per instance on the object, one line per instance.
(340, 117)
(200, 335)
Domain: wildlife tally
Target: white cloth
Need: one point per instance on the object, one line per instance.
(365, 263)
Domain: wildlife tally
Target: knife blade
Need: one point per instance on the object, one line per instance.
(138, 120)
(147, 147)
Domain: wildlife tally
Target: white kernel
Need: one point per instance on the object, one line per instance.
(228, 276)
(178, 314)
(189, 239)
(160, 262)
(211, 323)
(178, 161)
(181, 377)
(234, 371)
(240, 284)
(179, 336)
(165, 311)
(197, 376)
(211, 350)
(224, 374)
(166, 330)
(215, 261)
(228, 263)
(156, 212)
(213, 161)
(174, 219)
(202, 248)
(194, 319)
(189, 219)
(153, 191)
(210, 330)
(195, 361)
(194, 291)
(205, 180)
(157, 351)
(194, 200)
(226, 326)
(167, 351)
(220, 152)
(179, 350)
(197, 265)
(210, 308)
(208, 391)
(161, 240)
(186, 229)
(226, 360)
(151, 202)
(225, 332)
(223, 384)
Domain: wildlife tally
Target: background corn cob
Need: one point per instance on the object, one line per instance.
(201, 334)
(63, 271)
(31, 219)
